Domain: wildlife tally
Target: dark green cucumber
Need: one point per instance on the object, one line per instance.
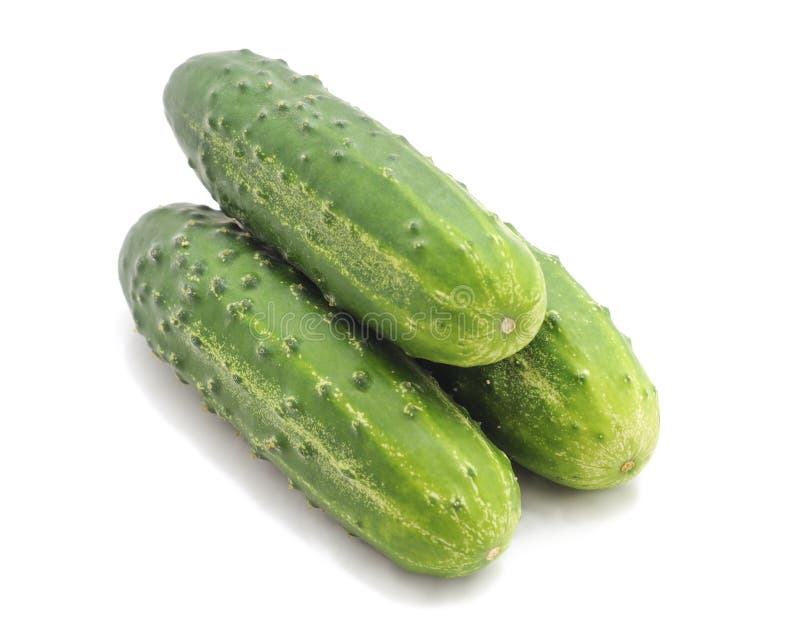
(574, 406)
(385, 234)
(356, 425)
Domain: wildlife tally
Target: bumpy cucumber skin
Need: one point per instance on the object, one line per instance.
(574, 406)
(380, 230)
(359, 427)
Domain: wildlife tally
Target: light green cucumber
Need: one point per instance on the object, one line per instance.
(356, 425)
(384, 234)
(574, 406)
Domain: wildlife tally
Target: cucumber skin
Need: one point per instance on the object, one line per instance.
(380, 230)
(358, 426)
(574, 406)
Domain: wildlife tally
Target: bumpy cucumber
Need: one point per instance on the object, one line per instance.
(356, 425)
(385, 234)
(575, 405)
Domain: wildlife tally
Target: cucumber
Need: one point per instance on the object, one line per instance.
(574, 406)
(356, 425)
(384, 234)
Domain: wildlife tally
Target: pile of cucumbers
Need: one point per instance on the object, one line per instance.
(369, 327)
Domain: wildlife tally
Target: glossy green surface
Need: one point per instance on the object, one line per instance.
(574, 406)
(383, 232)
(356, 425)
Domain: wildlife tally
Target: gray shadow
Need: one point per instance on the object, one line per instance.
(547, 503)
(179, 405)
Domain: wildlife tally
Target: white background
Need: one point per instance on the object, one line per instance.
(655, 146)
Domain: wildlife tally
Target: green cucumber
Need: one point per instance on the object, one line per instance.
(384, 234)
(574, 406)
(355, 424)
